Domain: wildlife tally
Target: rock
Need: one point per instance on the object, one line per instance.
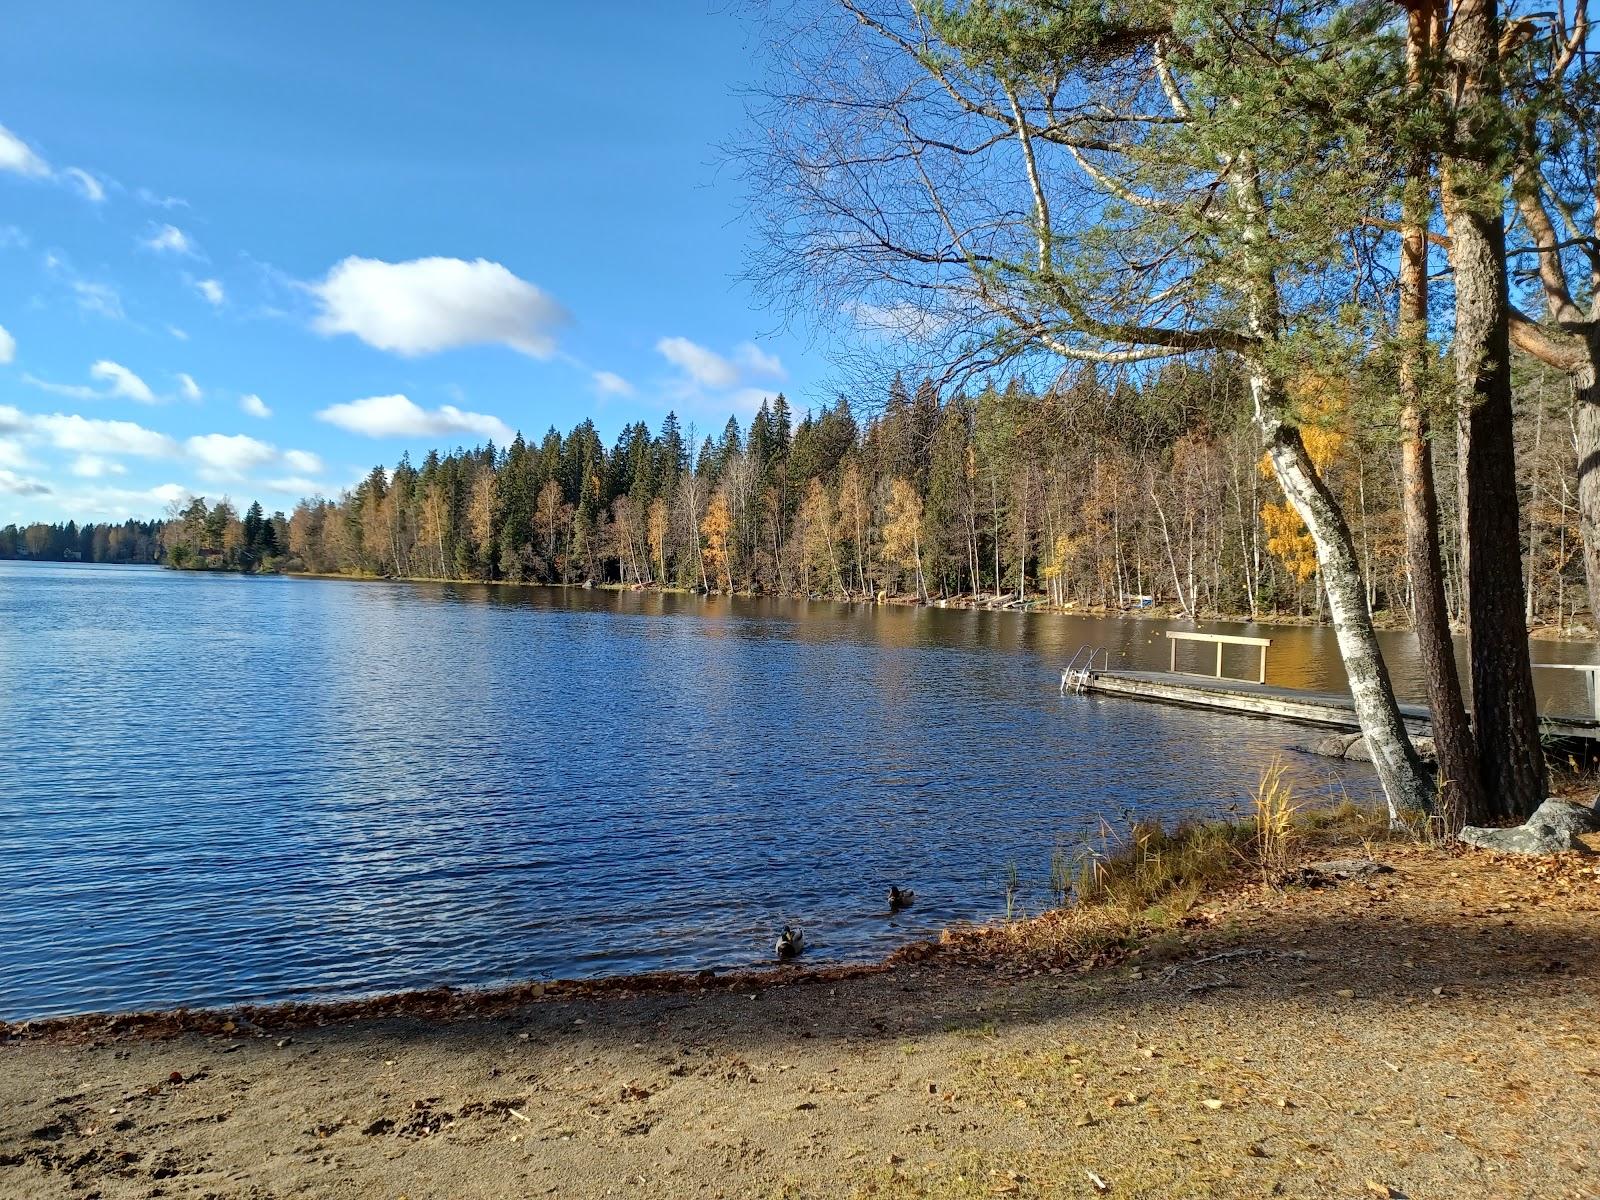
(1358, 751)
(1566, 815)
(1425, 749)
(1332, 746)
(1556, 825)
(1336, 870)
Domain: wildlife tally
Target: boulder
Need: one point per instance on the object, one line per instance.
(1555, 826)
(1337, 870)
(1359, 751)
(1332, 746)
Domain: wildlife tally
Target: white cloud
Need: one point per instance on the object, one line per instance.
(701, 365)
(88, 185)
(225, 457)
(68, 431)
(254, 406)
(229, 456)
(212, 291)
(99, 298)
(753, 358)
(146, 196)
(8, 346)
(295, 486)
(92, 297)
(11, 235)
(114, 503)
(397, 416)
(18, 157)
(431, 304)
(187, 387)
(73, 391)
(21, 485)
(609, 383)
(92, 466)
(12, 454)
(122, 383)
(303, 461)
(169, 239)
(181, 334)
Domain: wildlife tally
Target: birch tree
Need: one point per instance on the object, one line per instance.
(1112, 184)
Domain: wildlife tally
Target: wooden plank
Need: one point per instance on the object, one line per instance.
(1227, 639)
(1322, 709)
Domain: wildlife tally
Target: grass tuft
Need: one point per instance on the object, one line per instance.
(1131, 888)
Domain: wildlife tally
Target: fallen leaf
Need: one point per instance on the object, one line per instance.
(1212, 1104)
(1100, 1185)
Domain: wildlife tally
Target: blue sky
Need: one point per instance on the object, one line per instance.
(253, 250)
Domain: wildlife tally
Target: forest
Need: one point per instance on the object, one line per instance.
(1287, 308)
(1091, 496)
(130, 542)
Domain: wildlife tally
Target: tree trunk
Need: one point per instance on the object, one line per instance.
(1586, 404)
(1405, 785)
(1505, 714)
(1460, 789)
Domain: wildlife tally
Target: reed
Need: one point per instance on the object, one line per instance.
(1275, 813)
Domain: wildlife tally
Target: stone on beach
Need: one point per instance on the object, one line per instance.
(1555, 826)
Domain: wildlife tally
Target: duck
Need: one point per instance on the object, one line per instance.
(900, 899)
(790, 943)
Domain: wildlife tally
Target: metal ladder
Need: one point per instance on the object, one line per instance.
(1080, 667)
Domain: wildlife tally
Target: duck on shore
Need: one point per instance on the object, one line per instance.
(790, 943)
(899, 899)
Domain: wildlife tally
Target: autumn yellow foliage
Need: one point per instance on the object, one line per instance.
(1320, 405)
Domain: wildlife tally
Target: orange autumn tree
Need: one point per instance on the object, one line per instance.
(1320, 407)
(716, 528)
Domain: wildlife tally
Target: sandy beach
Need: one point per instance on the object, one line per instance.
(1424, 1033)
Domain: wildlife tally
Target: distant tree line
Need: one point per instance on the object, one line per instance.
(129, 542)
(201, 536)
(1095, 495)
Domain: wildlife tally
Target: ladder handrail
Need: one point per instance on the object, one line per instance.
(1071, 663)
(1077, 677)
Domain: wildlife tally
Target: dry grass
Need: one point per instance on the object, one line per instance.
(1275, 811)
(1122, 890)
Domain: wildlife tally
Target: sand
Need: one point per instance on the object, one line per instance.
(1428, 1033)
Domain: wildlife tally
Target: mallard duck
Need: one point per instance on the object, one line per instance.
(900, 899)
(790, 943)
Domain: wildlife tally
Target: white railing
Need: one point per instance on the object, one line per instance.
(1220, 639)
(1589, 670)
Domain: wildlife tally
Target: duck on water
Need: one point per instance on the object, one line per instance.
(790, 942)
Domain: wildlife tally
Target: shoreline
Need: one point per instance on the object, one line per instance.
(441, 1003)
(1425, 1030)
(1385, 620)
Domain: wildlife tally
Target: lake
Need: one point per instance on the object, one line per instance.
(220, 789)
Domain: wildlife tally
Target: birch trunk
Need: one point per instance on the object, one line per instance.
(1400, 772)
(1586, 405)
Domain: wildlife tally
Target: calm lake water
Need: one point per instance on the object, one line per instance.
(218, 789)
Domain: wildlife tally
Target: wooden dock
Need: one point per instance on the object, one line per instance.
(1326, 709)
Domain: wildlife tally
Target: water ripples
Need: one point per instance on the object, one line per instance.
(219, 790)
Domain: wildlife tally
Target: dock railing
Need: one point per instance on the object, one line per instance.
(1590, 670)
(1174, 636)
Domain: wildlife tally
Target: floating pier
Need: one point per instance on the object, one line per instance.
(1256, 698)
